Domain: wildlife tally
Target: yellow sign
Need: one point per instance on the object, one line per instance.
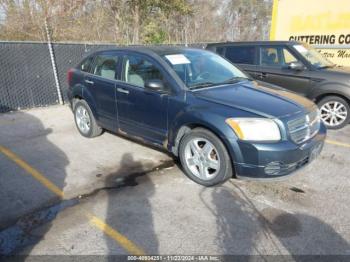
(323, 23)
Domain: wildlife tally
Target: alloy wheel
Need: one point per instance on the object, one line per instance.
(83, 119)
(333, 113)
(202, 158)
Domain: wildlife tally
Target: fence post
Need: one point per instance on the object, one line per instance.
(53, 63)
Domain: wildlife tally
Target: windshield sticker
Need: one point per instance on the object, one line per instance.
(300, 48)
(178, 59)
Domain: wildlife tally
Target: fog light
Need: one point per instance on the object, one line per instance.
(273, 168)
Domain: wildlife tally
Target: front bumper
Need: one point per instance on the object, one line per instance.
(270, 161)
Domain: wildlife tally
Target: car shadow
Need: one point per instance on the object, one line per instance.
(25, 203)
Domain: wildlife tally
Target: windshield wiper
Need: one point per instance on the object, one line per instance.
(236, 79)
(232, 80)
(200, 85)
(327, 66)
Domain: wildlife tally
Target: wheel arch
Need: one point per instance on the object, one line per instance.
(185, 128)
(331, 89)
(323, 95)
(81, 93)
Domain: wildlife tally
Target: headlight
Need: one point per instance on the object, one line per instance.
(255, 129)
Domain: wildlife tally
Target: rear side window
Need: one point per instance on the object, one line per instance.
(241, 54)
(220, 50)
(85, 66)
(105, 66)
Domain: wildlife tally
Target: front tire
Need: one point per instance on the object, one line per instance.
(204, 158)
(335, 112)
(85, 120)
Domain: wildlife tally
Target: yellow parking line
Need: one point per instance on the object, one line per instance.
(112, 233)
(95, 221)
(36, 174)
(337, 143)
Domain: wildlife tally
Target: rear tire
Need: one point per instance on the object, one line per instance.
(85, 120)
(335, 112)
(204, 158)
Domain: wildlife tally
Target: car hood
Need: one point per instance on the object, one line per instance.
(339, 71)
(256, 98)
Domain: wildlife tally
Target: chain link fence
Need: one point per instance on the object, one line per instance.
(27, 76)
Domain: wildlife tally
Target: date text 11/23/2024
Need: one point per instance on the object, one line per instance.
(174, 258)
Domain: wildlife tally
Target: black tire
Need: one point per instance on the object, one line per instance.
(225, 171)
(338, 99)
(94, 129)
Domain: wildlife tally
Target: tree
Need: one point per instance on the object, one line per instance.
(255, 13)
(135, 21)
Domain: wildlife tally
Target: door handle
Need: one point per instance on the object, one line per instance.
(122, 90)
(89, 82)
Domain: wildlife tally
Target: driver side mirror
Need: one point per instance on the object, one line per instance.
(297, 66)
(154, 85)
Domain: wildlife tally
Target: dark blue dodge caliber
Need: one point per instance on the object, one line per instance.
(198, 106)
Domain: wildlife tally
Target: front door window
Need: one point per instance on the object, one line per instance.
(276, 56)
(138, 70)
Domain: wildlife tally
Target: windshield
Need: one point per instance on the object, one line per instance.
(313, 56)
(199, 68)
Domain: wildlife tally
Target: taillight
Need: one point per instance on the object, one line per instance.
(70, 76)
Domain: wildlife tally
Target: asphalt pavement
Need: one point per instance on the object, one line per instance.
(62, 194)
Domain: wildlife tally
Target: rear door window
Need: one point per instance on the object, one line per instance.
(220, 50)
(105, 66)
(241, 54)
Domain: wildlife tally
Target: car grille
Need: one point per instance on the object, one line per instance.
(305, 127)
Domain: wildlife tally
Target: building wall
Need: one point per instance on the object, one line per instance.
(322, 23)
